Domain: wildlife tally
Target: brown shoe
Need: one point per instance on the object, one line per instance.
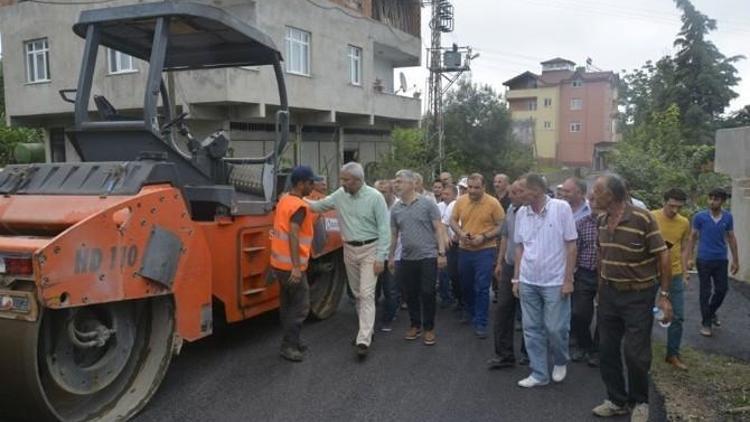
(413, 333)
(429, 338)
(676, 362)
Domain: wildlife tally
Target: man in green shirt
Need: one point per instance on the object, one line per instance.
(365, 229)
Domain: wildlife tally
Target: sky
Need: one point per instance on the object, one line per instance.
(513, 36)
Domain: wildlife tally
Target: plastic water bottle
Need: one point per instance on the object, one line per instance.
(659, 316)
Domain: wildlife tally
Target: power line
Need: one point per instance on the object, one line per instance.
(596, 9)
(70, 3)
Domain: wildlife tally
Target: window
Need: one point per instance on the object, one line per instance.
(297, 51)
(531, 105)
(120, 62)
(355, 65)
(575, 126)
(577, 83)
(576, 104)
(37, 60)
(547, 124)
(548, 102)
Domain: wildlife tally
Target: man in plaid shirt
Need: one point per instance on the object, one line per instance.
(585, 287)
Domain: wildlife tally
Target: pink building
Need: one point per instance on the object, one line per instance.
(567, 112)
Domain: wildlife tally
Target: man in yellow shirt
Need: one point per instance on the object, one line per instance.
(675, 229)
(477, 218)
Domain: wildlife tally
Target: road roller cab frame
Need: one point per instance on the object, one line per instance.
(108, 264)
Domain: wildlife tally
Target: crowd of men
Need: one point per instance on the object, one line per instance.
(554, 259)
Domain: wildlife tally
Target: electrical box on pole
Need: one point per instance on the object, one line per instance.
(443, 63)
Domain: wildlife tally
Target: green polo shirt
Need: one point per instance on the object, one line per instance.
(362, 216)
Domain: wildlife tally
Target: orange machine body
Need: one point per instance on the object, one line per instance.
(90, 249)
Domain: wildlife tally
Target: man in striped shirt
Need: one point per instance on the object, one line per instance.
(632, 254)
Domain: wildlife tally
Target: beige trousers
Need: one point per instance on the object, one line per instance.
(359, 262)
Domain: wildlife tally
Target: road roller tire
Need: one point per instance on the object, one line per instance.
(327, 279)
(62, 367)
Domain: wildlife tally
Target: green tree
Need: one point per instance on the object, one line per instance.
(408, 151)
(704, 76)
(653, 158)
(739, 118)
(478, 133)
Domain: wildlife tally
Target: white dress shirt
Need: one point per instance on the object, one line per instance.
(543, 237)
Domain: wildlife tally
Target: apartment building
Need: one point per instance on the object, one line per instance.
(566, 113)
(340, 57)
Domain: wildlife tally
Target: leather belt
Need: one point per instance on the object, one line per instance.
(361, 242)
(630, 286)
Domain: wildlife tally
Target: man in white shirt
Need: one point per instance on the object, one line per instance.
(546, 235)
(449, 286)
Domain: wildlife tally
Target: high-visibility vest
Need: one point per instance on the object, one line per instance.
(281, 257)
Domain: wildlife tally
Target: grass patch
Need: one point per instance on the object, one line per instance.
(714, 388)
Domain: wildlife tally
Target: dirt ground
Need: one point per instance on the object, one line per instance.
(715, 388)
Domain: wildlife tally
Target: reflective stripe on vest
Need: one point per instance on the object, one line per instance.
(281, 257)
(303, 240)
(286, 259)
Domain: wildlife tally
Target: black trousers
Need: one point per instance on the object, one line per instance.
(418, 279)
(582, 309)
(452, 256)
(625, 320)
(505, 316)
(294, 299)
(714, 284)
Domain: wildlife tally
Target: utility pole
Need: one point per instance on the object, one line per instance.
(443, 63)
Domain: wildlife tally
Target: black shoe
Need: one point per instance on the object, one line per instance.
(499, 363)
(302, 347)
(578, 355)
(291, 354)
(524, 360)
(362, 350)
(481, 333)
(593, 360)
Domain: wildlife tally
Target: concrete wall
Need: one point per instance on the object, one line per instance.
(733, 159)
(326, 89)
(216, 98)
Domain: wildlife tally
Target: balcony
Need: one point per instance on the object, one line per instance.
(398, 107)
(399, 14)
(512, 94)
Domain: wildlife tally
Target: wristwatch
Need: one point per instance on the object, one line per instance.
(515, 281)
(441, 254)
(663, 293)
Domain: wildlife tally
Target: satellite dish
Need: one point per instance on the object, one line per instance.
(402, 79)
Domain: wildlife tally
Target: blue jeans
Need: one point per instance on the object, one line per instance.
(674, 332)
(476, 268)
(546, 319)
(388, 284)
(444, 287)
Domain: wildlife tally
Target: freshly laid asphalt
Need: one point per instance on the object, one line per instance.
(733, 337)
(237, 375)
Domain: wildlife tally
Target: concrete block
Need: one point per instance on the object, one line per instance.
(733, 152)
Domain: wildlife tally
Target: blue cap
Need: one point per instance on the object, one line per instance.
(302, 174)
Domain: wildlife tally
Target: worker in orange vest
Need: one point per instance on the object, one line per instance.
(291, 243)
